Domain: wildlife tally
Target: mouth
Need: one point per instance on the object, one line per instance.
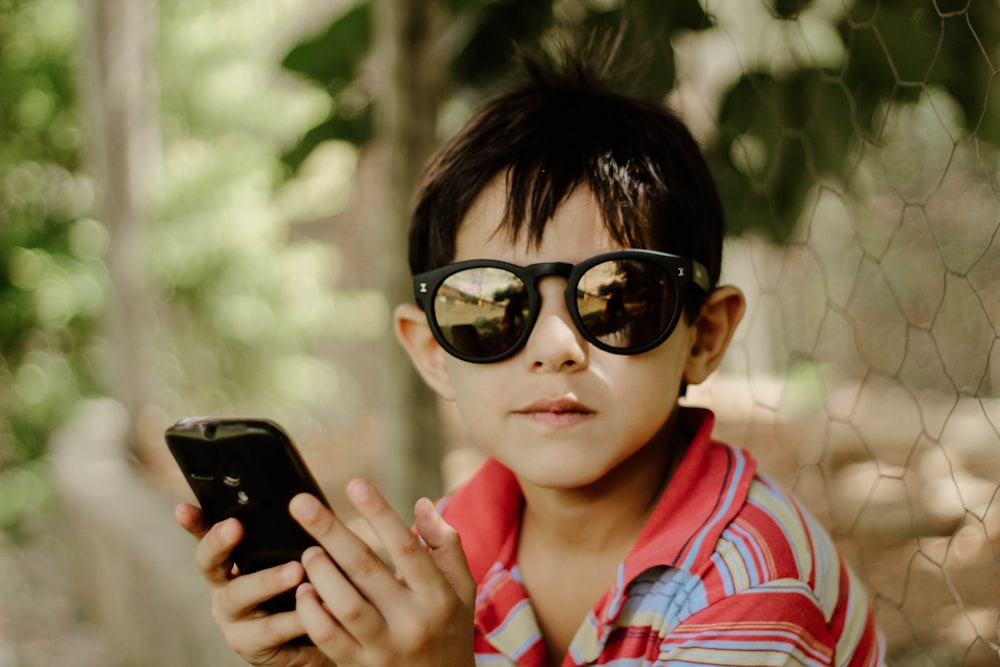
(563, 411)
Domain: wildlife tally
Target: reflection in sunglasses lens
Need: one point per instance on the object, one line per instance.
(625, 303)
(482, 311)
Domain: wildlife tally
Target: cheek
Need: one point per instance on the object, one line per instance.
(650, 383)
(475, 391)
(650, 396)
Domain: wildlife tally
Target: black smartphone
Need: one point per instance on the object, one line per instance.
(248, 469)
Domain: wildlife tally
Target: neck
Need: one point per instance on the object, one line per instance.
(614, 508)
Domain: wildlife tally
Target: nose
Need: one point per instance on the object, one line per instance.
(554, 343)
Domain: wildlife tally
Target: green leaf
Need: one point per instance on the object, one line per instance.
(777, 138)
(357, 129)
(483, 35)
(789, 9)
(332, 57)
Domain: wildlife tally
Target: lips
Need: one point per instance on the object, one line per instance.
(563, 411)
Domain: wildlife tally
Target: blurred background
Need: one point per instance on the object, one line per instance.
(202, 211)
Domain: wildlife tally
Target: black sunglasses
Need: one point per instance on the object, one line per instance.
(625, 301)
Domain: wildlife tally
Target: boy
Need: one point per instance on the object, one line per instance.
(565, 247)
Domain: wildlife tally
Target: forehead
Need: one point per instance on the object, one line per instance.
(575, 232)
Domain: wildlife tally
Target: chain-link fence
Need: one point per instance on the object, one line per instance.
(866, 374)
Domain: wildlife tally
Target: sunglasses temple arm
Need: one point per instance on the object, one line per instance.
(699, 276)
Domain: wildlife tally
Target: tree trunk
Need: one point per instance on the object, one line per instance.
(410, 67)
(119, 100)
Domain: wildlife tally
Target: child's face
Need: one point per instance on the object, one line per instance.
(561, 413)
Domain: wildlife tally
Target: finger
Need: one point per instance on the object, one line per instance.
(342, 600)
(191, 519)
(264, 635)
(352, 555)
(324, 630)
(404, 549)
(242, 595)
(213, 555)
(445, 549)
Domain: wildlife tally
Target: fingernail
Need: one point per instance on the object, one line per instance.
(305, 506)
(359, 490)
(291, 573)
(311, 553)
(229, 529)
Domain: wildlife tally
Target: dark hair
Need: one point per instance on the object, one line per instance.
(561, 128)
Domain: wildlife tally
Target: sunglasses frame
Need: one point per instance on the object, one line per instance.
(681, 270)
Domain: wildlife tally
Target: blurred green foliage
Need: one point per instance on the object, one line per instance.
(813, 81)
(260, 130)
(336, 70)
(479, 37)
(244, 302)
(807, 108)
(52, 282)
(53, 285)
(236, 306)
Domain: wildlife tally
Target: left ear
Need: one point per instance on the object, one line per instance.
(712, 331)
(417, 339)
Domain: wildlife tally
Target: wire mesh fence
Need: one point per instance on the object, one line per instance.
(866, 374)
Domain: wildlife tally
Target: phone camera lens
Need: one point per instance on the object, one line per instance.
(208, 430)
(231, 479)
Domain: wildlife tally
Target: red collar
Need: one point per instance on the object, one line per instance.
(705, 493)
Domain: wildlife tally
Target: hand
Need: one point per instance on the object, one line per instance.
(362, 614)
(260, 638)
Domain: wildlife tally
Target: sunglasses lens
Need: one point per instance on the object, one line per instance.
(482, 311)
(626, 303)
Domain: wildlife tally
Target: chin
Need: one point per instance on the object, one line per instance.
(560, 474)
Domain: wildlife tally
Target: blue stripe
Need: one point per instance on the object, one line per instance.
(522, 607)
(751, 553)
(727, 502)
(762, 497)
(497, 659)
(724, 573)
(673, 595)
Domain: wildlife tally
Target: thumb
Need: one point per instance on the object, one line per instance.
(191, 519)
(445, 548)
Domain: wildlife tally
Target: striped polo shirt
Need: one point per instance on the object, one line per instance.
(729, 570)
